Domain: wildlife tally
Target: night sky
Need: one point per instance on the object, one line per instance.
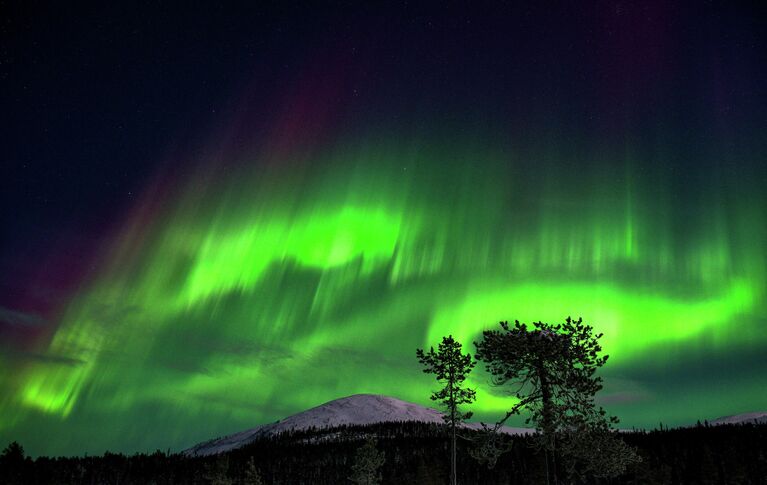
(214, 218)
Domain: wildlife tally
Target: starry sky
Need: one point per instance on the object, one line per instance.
(213, 218)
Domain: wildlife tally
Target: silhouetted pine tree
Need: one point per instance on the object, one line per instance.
(367, 464)
(12, 463)
(552, 371)
(450, 367)
(252, 476)
(216, 471)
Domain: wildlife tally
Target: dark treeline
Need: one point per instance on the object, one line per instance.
(415, 453)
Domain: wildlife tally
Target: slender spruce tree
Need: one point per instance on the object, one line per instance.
(368, 461)
(451, 367)
(252, 476)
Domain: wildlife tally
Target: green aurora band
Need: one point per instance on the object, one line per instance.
(284, 280)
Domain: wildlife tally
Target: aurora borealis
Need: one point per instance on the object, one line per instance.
(372, 199)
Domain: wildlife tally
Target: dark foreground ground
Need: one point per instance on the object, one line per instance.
(414, 454)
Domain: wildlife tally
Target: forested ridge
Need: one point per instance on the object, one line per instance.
(414, 453)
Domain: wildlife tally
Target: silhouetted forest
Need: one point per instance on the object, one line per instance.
(415, 453)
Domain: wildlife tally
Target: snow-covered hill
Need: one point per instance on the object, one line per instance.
(359, 409)
(758, 417)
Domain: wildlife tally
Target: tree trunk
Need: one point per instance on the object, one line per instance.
(547, 424)
(453, 470)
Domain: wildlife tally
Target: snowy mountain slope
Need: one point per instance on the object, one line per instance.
(359, 409)
(758, 417)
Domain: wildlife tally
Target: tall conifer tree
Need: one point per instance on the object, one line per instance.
(450, 367)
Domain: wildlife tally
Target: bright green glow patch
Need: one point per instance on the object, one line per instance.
(632, 320)
(237, 259)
